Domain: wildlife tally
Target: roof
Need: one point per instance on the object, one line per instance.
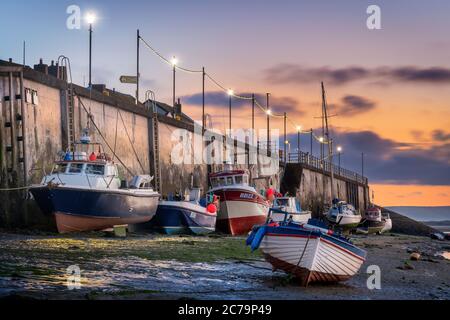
(108, 96)
(227, 173)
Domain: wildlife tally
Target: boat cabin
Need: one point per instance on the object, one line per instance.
(373, 214)
(229, 178)
(93, 174)
(288, 204)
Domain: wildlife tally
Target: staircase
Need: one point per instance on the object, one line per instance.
(150, 104)
(70, 118)
(156, 167)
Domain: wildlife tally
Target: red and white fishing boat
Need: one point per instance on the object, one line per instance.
(241, 207)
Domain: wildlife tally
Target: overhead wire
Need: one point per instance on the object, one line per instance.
(227, 90)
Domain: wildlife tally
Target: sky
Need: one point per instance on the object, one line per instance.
(388, 89)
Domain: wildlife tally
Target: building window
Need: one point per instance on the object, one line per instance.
(35, 98)
(28, 95)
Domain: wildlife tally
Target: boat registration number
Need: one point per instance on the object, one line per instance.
(246, 196)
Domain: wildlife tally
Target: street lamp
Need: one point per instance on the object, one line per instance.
(90, 19)
(339, 150)
(299, 129)
(174, 62)
(230, 93)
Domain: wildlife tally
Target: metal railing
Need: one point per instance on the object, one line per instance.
(324, 165)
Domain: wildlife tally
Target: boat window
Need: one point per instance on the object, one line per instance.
(214, 182)
(245, 179)
(60, 168)
(238, 179)
(222, 182)
(281, 202)
(95, 169)
(298, 206)
(145, 185)
(76, 167)
(229, 181)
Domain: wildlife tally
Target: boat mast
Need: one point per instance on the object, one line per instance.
(328, 140)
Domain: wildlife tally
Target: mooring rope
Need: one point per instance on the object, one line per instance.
(104, 139)
(15, 189)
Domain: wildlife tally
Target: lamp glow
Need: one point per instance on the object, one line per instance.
(286, 142)
(299, 128)
(230, 92)
(321, 139)
(174, 61)
(339, 149)
(268, 112)
(90, 18)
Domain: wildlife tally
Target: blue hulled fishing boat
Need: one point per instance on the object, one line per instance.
(193, 214)
(85, 193)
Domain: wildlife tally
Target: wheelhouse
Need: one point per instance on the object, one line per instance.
(88, 168)
(222, 179)
(290, 204)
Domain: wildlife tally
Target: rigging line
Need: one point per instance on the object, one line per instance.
(132, 145)
(101, 135)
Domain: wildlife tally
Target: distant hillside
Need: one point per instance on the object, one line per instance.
(423, 213)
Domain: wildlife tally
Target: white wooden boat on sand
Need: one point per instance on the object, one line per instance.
(310, 252)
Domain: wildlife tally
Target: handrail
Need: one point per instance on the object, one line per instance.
(324, 165)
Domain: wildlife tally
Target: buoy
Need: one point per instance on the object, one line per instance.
(68, 156)
(270, 194)
(211, 208)
(93, 157)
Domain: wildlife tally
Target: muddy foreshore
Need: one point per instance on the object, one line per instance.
(34, 266)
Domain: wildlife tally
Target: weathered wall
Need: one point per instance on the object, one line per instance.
(43, 130)
(176, 176)
(131, 132)
(313, 188)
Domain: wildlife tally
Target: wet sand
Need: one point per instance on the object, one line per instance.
(209, 267)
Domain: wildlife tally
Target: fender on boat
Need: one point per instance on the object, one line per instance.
(255, 238)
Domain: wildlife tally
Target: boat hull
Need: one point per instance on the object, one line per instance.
(240, 210)
(174, 218)
(345, 221)
(311, 256)
(387, 225)
(78, 209)
(370, 227)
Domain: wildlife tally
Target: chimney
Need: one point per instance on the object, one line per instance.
(177, 108)
(41, 67)
(53, 70)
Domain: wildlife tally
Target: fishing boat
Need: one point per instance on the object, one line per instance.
(343, 214)
(387, 222)
(241, 207)
(372, 222)
(192, 214)
(85, 192)
(291, 205)
(310, 252)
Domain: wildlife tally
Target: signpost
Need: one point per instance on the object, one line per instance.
(128, 79)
